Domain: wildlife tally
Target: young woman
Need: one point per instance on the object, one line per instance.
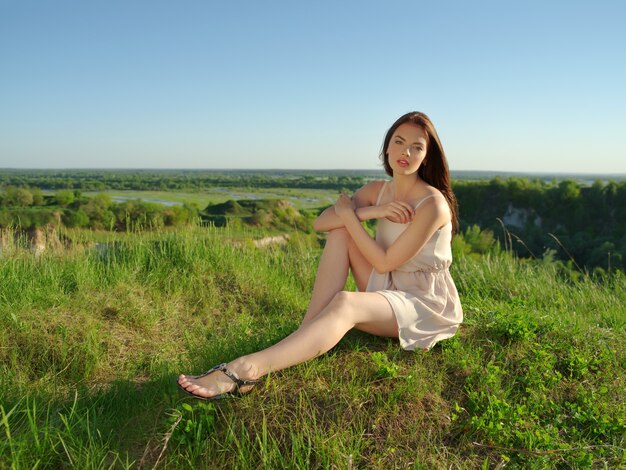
(405, 288)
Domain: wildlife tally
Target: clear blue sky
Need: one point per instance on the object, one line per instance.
(530, 86)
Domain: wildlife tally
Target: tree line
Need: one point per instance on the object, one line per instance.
(177, 180)
(585, 225)
(30, 208)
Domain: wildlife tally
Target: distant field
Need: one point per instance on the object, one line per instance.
(301, 198)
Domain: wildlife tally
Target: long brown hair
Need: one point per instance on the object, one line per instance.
(434, 168)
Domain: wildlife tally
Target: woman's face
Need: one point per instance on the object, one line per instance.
(407, 149)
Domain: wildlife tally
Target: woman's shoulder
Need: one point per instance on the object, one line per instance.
(369, 192)
(375, 185)
(430, 192)
(435, 198)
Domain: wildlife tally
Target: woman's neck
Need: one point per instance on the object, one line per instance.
(404, 184)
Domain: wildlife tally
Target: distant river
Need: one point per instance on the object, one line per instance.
(236, 196)
(174, 203)
(158, 201)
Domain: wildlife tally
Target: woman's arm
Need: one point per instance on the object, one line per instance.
(364, 201)
(329, 220)
(431, 215)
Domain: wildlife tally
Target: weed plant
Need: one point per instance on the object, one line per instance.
(93, 336)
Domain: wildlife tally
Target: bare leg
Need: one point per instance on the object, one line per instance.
(366, 310)
(340, 254)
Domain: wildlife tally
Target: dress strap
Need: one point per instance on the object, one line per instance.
(380, 193)
(422, 200)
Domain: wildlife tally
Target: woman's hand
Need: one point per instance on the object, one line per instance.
(397, 211)
(344, 205)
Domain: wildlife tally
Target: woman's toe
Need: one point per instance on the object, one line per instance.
(199, 390)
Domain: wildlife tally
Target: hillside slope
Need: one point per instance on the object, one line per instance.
(90, 341)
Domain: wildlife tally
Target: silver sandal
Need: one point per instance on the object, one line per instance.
(230, 374)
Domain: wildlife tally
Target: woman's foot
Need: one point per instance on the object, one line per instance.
(226, 379)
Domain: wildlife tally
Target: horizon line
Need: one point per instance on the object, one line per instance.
(381, 170)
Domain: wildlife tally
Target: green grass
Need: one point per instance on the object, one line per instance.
(90, 343)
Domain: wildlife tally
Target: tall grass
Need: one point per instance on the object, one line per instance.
(91, 339)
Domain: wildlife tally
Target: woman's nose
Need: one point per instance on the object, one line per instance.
(407, 151)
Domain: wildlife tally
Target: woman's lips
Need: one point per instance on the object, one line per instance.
(403, 163)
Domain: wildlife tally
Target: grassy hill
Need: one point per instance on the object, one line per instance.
(263, 213)
(92, 338)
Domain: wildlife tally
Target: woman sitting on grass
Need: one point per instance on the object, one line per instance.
(405, 288)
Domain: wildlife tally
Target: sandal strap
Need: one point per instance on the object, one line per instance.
(239, 382)
(211, 370)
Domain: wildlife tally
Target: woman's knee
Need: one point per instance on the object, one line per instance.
(342, 236)
(338, 234)
(341, 304)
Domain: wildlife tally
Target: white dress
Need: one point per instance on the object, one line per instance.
(421, 291)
